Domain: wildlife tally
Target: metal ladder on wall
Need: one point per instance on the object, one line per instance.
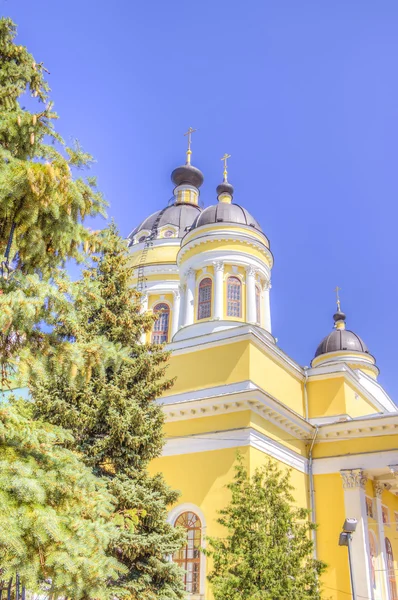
(141, 280)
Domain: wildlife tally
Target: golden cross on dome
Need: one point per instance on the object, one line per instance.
(337, 290)
(225, 158)
(189, 151)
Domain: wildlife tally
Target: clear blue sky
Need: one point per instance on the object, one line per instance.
(303, 94)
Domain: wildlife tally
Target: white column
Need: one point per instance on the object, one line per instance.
(379, 488)
(218, 290)
(266, 306)
(250, 294)
(189, 297)
(181, 318)
(354, 482)
(176, 312)
(144, 308)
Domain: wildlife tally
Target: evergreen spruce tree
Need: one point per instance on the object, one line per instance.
(116, 423)
(55, 518)
(42, 208)
(267, 551)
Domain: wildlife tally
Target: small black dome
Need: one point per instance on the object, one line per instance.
(188, 175)
(225, 188)
(341, 339)
(225, 213)
(179, 215)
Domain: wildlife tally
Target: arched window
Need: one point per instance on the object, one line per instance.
(391, 571)
(160, 333)
(258, 310)
(234, 297)
(204, 301)
(189, 556)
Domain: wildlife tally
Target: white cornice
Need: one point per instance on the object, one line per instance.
(226, 236)
(156, 243)
(262, 339)
(159, 268)
(365, 460)
(363, 427)
(234, 438)
(234, 397)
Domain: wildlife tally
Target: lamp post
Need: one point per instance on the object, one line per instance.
(345, 539)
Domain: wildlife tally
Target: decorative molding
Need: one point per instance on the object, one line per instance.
(380, 487)
(393, 470)
(177, 293)
(225, 236)
(234, 438)
(235, 397)
(353, 479)
(190, 273)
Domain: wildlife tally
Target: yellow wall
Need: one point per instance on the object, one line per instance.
(277, 381)
(202, 478)
(200, 369)
(333, 396)
(156, 255)
(344, 446)
(330, 515)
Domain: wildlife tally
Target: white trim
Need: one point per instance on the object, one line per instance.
(231, 257)
(234, 438)
(172, 516)
(365, 461)
(235, 397)
(330, 420)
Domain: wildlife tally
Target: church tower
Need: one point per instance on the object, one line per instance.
(206, 274)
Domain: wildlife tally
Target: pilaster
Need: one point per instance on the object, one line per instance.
(354, 482)
(379, 488)
(218, 290)
(251, 294)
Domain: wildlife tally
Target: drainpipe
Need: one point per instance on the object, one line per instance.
(312, 491)
(305, 393)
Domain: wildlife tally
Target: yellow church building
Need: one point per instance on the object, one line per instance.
(207, 273)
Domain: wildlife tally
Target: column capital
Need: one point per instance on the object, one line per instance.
(251, 270)
(266, 286)
(353, 479)
(393, 470)
(190, 273)
(218, 265)
(177, 293)
(380, 487)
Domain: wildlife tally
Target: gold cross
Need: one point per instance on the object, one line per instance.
(189, 151)
(225, 158)
(337, 290)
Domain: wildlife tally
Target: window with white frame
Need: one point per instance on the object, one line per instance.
(234, 297)
(189, 557)
(258, 309)
(160, 332)
(204, 298)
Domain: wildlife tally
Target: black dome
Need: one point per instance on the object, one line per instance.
(341, 339)
(188, 175)
(179, 215)
(226, 213)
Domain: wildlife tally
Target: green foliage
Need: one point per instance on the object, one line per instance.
(42, 207)
(55, 518)
(267, 554)
(38, 192)
(116, 422)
